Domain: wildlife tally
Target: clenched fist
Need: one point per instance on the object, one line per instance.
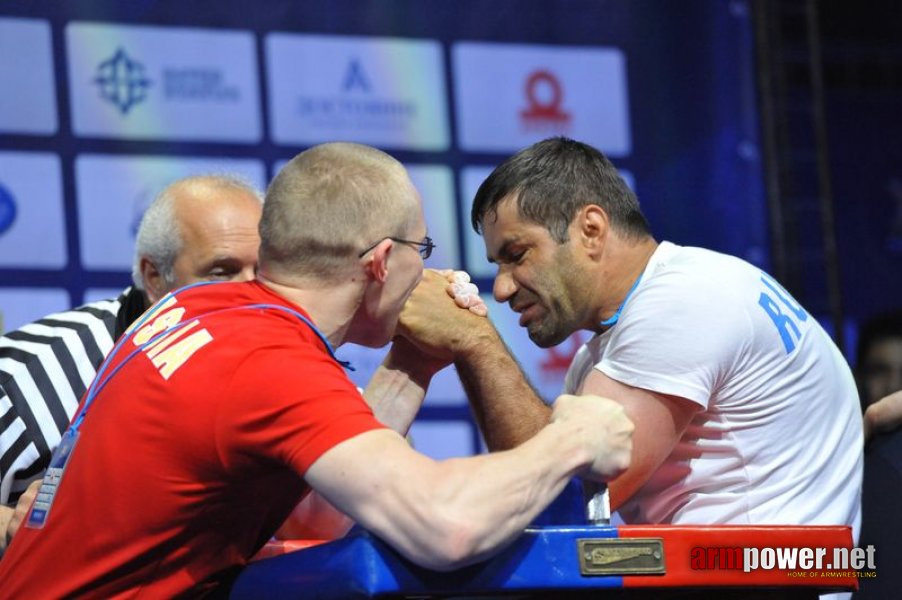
(432, 319)
(601, 426)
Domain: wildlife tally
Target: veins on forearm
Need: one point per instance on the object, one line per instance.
(395, 397)
(507, 408)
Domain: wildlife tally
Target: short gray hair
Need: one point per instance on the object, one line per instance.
(159, 235)
(328, 204)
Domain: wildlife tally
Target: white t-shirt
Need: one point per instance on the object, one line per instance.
(779, 436)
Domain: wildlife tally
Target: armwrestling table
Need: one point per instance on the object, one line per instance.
(553, 561)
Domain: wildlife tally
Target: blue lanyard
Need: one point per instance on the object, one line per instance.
(100, 381)
(612, 320)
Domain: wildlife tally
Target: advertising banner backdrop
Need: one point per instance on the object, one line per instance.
(105, 103)
(382, 91)
(163, 83)
(19, 305)
(31, 208)
(26, 66)
(511, 95)
(113, 192)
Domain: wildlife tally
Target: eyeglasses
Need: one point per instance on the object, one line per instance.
(425, 247)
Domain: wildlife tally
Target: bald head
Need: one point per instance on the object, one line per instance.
(327, 205)
(198, 229)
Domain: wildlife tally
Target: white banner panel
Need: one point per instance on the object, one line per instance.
(509, 96)
(158, 83)
(389, 92)
(474, 248)
(32, 231)
(20, 306)
(28, 99)
(113, 192)
(96, 294)
(436, 186)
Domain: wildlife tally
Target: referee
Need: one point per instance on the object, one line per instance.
(46, 366)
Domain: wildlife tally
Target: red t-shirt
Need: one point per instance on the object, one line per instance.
(192, 455)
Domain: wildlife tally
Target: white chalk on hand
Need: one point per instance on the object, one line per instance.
(466, 294)
(467, 300)
(464, 289)
(461, 277)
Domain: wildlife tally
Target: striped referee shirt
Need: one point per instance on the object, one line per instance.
(45, 368)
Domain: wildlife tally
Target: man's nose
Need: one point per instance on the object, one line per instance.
(504, 286)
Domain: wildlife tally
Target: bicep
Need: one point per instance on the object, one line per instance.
(660, 421)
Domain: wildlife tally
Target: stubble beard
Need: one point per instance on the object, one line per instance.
(559, 321)
(550, 330)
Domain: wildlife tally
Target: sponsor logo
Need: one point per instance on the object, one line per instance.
(198, 83)
(389, 92)
(356, 106)
(508, 96)
(7, 210)
(32, 225)
(798, 562)
(544, 96)
(355, 78)
(164, 83)
(122, 81)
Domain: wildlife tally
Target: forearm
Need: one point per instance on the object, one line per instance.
(499, 498)
(507, 408)
(445, 515)
(457, 512)
(396, 391)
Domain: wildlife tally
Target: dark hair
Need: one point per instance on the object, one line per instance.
(553, 180)
(876, 329)
(885, 326)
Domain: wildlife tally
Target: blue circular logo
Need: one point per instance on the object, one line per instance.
(7, 210)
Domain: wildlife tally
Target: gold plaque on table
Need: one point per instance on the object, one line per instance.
(619, 556)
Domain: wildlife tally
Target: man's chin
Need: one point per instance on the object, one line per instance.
(545, 339)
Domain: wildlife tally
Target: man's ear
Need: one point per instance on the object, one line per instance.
(378, 260)
(154, 283)
(591, 226)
